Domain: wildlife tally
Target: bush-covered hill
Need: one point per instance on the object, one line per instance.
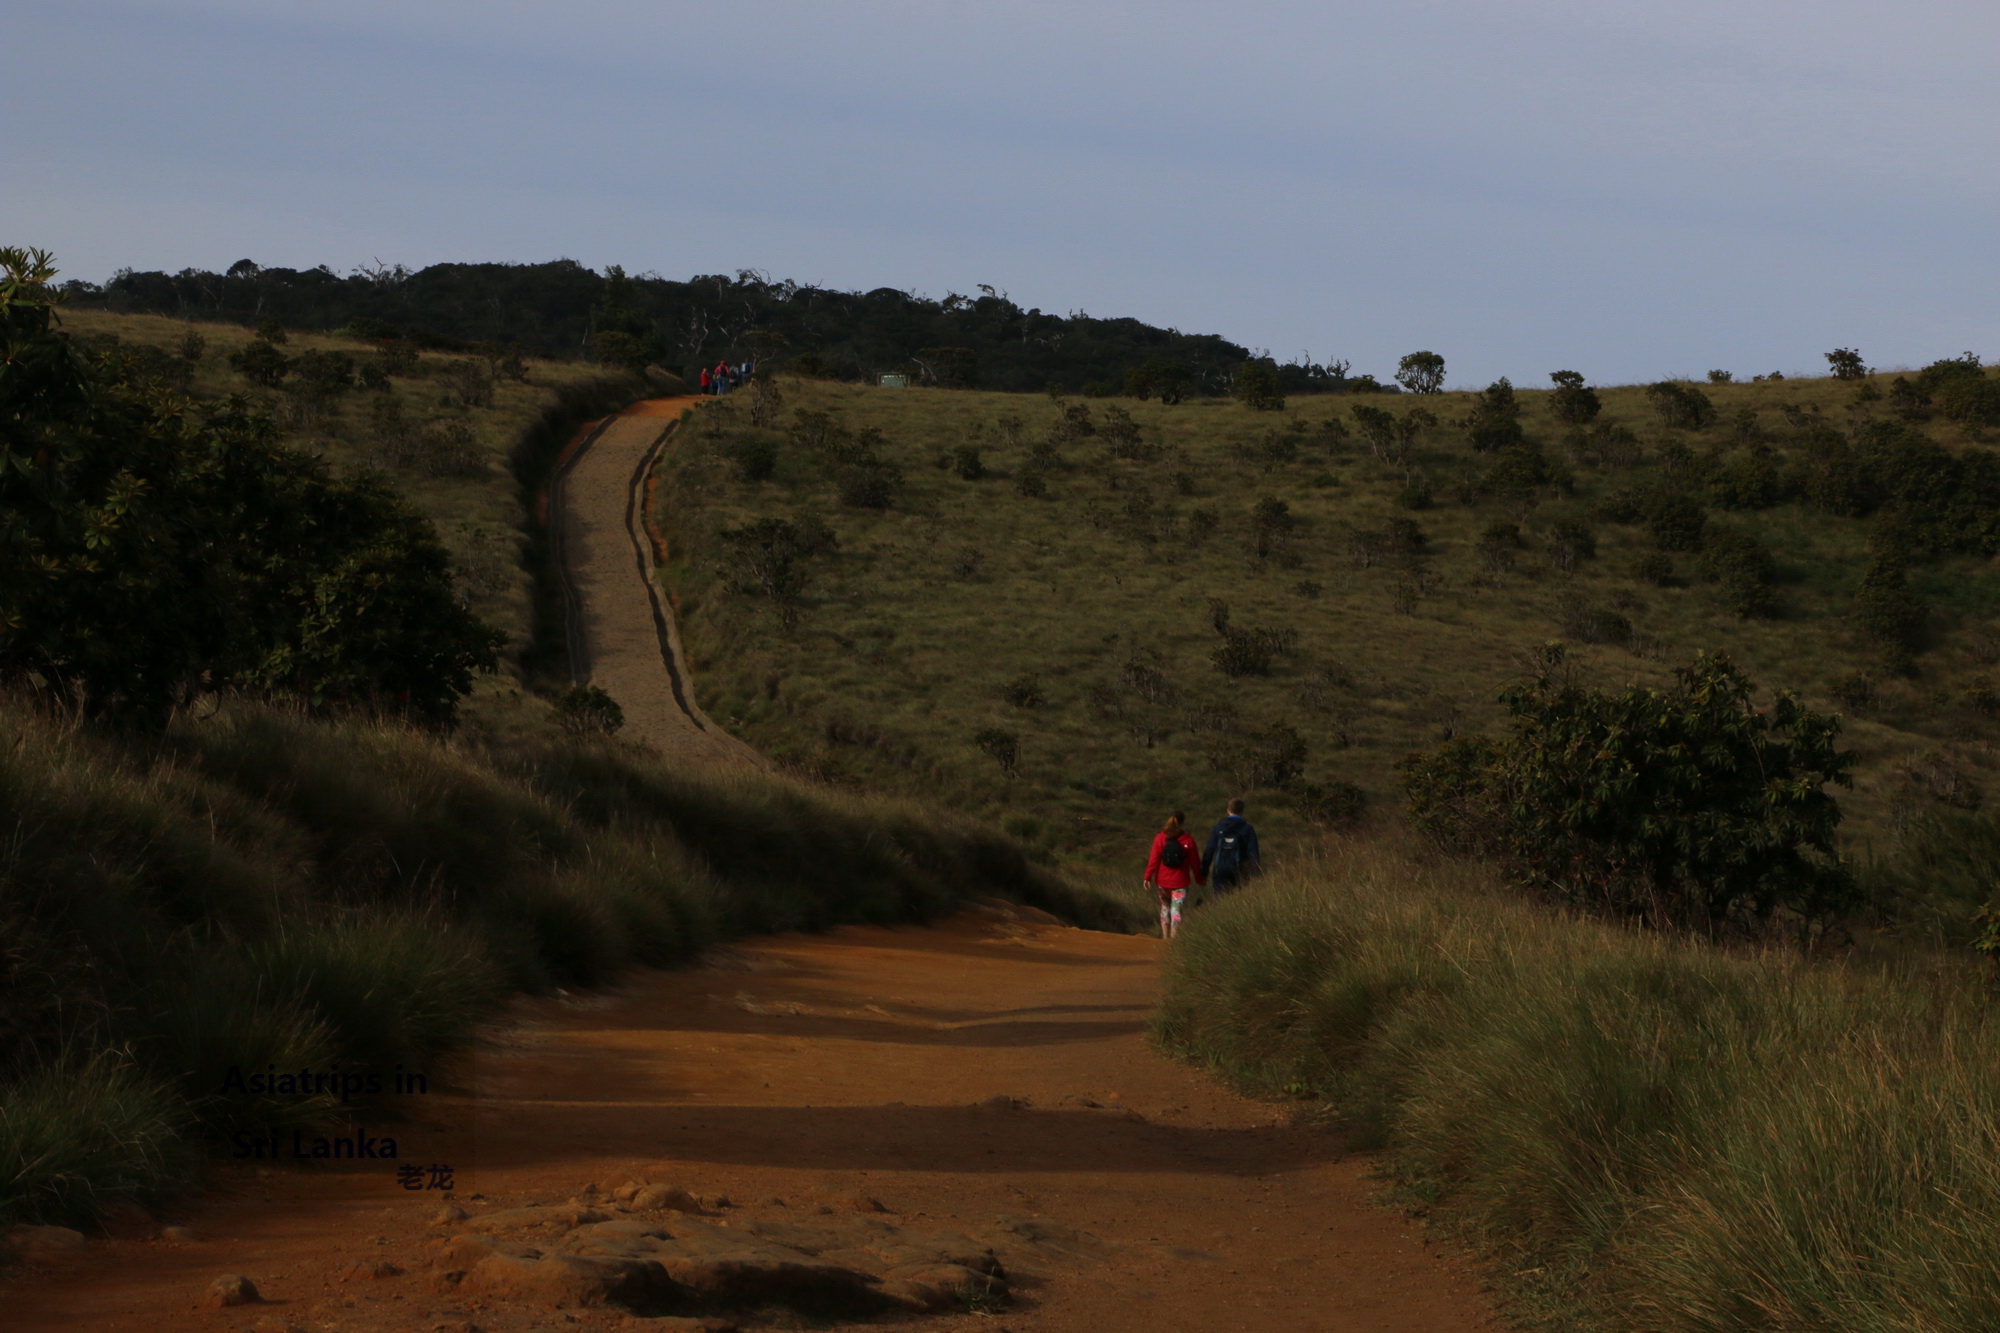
(555, 309)
(1079, 615)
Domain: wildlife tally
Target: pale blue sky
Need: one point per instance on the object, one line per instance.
(1629, 189)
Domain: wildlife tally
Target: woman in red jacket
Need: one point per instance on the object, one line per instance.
(1173, 868)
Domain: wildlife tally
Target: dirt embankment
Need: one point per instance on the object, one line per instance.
(986, 1082)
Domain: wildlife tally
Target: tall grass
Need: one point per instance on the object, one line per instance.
(255, 888)
(1642, 1133)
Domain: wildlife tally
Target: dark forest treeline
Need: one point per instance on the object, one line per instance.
(562, 309)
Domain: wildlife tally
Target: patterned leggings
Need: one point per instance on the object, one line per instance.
(1171, 902)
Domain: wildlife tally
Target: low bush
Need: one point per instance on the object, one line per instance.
(1570, 543)
(1741, 564)
(753, 460)
(1332, 804)
(1656, 568)
(1680, 406)
(1686, 808)
(1573, 402)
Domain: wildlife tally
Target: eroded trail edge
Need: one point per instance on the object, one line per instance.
(620, 625)
(965, 1120)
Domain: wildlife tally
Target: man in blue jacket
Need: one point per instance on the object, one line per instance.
(1231, 856)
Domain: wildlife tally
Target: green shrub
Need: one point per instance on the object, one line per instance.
(1570, 543)
(1680, 406)
(261, 363)
(1656, 568)
(1572, 401)
(1024, 691)
(754, 459)
(1332, 804)
(773, 556)
(1974, 400)
(1003, 747)
(1911, 402)
(586, 710)
(1271, 527)
(967, 464)
(1122, 439)
(1889, 613)
(1256, 386)
(1421, 372)
(1241, 653)
(1741, 564)
(1684, 808)
(1675, 518)
(1494, 423)
(1747, 479)
(1497, 544)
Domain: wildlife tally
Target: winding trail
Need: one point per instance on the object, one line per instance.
(620, 625)
(967, 1075)
(988, 1068)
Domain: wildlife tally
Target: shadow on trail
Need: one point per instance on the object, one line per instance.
(974, 1139)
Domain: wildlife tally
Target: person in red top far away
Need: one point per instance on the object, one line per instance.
(1171, 870)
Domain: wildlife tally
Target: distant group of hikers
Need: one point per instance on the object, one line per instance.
(1177, 865)
(722, 377)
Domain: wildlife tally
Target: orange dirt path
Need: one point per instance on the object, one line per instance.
(992, 1065)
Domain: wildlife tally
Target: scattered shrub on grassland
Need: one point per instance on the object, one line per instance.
(1643, 1133)
(1680, 406)
(1686, 808)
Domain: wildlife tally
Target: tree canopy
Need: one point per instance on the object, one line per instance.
(563, 309)
(154, 547)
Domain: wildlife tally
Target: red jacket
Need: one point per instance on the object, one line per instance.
(1175, 877)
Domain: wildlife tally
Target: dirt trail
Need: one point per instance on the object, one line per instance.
(993, 1067)
(621, 627)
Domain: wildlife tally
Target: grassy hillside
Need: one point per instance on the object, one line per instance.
(245, 886)
(466, 445)
(1062, 587)
(1640, 1133)
(255, 889)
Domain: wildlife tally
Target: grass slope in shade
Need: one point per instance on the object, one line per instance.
(468, 453)
(258, 889)
(913, 638)
(1641, 1134)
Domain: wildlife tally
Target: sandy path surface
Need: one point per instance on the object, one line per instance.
(621, 628)
(966, 1076)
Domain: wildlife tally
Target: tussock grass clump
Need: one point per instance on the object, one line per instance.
(256, 889)
(84, 1131)
(1644, 1133)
